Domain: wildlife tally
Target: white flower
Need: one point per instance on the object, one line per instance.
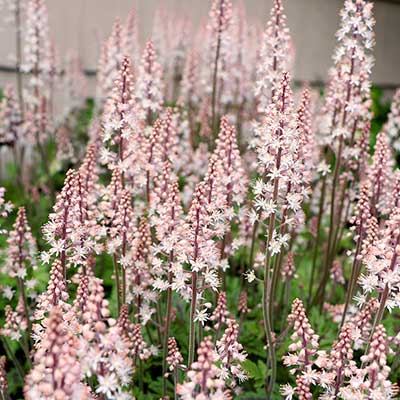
(154, 350)
(360, 299)
(275, 246)
(198, 265)
(45, 257)
(125, 261)
(369, 282)
(250, 276)
(31, 283)
(294, 201)
(258, 187)
(236, 243)
(57, 247)
(211, 278)
(224, 264)
(160, 284)
(287, 391)
(8, 292)
(253, 216)
(323, 168)
(107, 384)
(201, 316)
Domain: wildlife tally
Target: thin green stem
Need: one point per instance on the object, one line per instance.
(21, 287)
(141, 375)
(166, 332)
(253, 244)
(192, 317)
(175, 382)
(353, 279)
(215, 76)
(317, 239)
(14, 359)
(271, 359)
(384, 296)
(18, 43)
(319, 297)
(117, 284)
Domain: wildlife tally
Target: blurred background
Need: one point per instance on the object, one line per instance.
(82, 25)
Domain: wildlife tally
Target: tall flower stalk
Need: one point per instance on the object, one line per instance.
(278, 191)
(21, 259)
(167, 218)
(275, 55)
(353, 63)
(220, 18)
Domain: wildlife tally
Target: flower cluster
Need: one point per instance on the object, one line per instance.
(149, 89)
(275, 57)
(22, 250)
(56, 371)
(304, 349)
(350, 78)
(72, 230)
(203, 376)
(174, 358)
(10, 118)
(231, 353)
(392, 127)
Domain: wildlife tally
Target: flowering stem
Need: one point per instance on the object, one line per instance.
(353, 278)
(267, 298)
(159, 327)
(331, 237)
(63, 256)
(271, 229)
(4, 395)
(239, 124)
(148, 331)
(175, 382)
(341, 207)
(25, 348)
(121, 157)
(339, 376)
(21, 287)
(148, 188)
(138, 297)
(166, 330)
(148, 177)
(269, 385)
(192, 317)
(346, 218)
(321, 288)
(20, 282)
(215, 75)
(253, 243)
(19, 53)
(194, 294)
(278, 261)
(141, 375)
(217, 332)
(281, 338)
(271, 360)
(124, 244)
(385, 294)
(317, 239)
(116, 273)
(14, 359)
(285, 301)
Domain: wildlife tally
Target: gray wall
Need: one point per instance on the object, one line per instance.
(81, 24)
